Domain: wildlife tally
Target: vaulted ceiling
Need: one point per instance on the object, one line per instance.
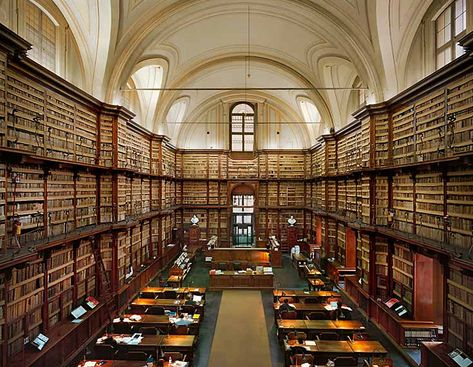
(289, 43)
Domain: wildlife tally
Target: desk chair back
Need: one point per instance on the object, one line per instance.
(155, 310)
(346, 362)
(316, 315)
(292, 315)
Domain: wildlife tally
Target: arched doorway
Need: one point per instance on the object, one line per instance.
(243, 216)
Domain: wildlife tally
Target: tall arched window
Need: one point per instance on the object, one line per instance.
(40, 31)
(450, 27)
(242, 127)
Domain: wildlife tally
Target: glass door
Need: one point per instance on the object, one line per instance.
(243, 220)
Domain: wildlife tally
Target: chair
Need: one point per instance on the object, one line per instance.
(289, 315)
(301, 336)
(137, 356)
(121, 354)
(155, 310)
(188, 309)
(104, 351)
(181, 330)
(311, 300)
(289, 299)
(121, 328)
(298, 359)
(361, 336)
(316, 315)
(237, 266)
(175, 356)
(170, 294)
(345, 362)
(291, 335)
(222, 266)
(148, 295)
(328, 335)
(148, 330)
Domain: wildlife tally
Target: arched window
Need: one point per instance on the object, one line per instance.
(450, 27)
(242, 127)
(41, 32)
(177, 111)
(310, 113)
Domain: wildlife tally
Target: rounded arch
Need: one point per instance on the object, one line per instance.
(221, 102)
(160, 23)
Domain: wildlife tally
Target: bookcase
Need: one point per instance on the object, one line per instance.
(60, 194)
(429, 199)
(403, 270)
(403, 202)
(381, 200)
(460, 309)
(382, 253)
(459, 124)
(2, 308)
(60, 273)
(403, 135)
(341, 248)
(25, 203)
(84, 281)
(86, 199)
(460, 208)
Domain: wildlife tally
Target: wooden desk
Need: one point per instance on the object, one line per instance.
(368, 347)
(114, 363)
(314, 326)
(299, 261)
(171, 304)
(180, 291)
(333, 348)
(300, 295)
(435, 354)
(178, 343)
(244, 256)
(231, 279)
(304, 308)
(162, 322)
(315, 283)
(175, 281)
(151, 343)
(311, 272)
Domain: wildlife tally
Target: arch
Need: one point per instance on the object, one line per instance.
(360, 49)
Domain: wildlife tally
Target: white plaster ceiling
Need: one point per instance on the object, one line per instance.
(293, 43)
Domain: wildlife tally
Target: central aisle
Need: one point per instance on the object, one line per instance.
(241, 337)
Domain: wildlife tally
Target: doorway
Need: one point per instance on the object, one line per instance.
(243, 219)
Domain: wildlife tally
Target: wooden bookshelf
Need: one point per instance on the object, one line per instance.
(403, 274)
(84, 281)
(60, 194)
(25, 203)
(24, 299)
(460, 310)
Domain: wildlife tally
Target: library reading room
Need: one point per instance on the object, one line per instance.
(229, 183)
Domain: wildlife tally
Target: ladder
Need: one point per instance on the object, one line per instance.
(104, 281)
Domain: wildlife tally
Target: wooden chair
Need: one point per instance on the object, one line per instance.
(170, 294)
(104, 351)
(301, 336)
(291, 315)
(148, 295)
(175, 356)
(345, 362)
(181, 330)
(328, 335)
(316, 315)
(298, 359)
(155, 310)
(121, 328)
(312, 300)
(148, 330)
(289, 299)
(137, 356)
(188, 309)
